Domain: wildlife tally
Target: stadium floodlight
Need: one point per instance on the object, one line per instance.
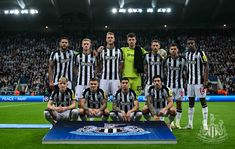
(130, 10)
(11, 11)
(24, 11)
(32, 11)
(150, 10)
(6, 12)
(168, 10)
(114, 10)
(139, 10)
(16, 12)
(122, 10)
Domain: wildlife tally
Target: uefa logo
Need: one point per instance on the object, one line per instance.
(215, 134)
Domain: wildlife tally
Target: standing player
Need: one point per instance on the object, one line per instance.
(94, 101)
(175, 69)
(133, 63)
(111, 64)
(159, 102)
(61, 64)
(197, 81)
(61, 105)
(153, 64)
(125, 104)
(85, 67)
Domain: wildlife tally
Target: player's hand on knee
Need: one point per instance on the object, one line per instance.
(163, 111)
(155, 118)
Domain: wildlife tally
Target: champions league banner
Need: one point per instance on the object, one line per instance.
(98, 132)
(218, 98)
(140, 98)
(22, 98)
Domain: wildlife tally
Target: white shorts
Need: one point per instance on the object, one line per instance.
(178, 94)
(79, 90)
(63, 116)
(196, 90)
(110, 86)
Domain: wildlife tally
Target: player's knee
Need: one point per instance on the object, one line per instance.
(191, 102)
(81, 111)
(172, 111)
(203, 102)
(112, 115)
(139, 115)
(47, 114)
(106, 111)
(145, 110)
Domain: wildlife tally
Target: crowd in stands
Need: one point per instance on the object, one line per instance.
(24, 56)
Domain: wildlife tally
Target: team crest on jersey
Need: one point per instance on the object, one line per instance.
(155, 63)
(110, 130)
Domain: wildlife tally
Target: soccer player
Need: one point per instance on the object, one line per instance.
(110, 64)
(159, 102)
(61, 105)
(133, 57)
(175, 70)
(94, 101)
(125, 104)
(153, 64)
(61, 64)
(197, 65)
(85, 68)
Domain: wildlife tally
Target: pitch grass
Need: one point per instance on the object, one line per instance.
(32, 113)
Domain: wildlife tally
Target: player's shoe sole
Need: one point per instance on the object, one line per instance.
(188, 127)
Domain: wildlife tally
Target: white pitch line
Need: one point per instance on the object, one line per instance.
(19, 105)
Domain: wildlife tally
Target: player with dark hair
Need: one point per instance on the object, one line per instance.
(94, 101)
(61, 64)
(198, 70)
(175, 70)
(125, 104)
(153, 64)
(133, 57)
(159, 102)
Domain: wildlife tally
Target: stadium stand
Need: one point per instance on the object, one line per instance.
(24, 56)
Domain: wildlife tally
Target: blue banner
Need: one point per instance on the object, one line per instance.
(208, 98)
(98, 132)
(21, 98)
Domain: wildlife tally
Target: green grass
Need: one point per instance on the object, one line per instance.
(32, 113)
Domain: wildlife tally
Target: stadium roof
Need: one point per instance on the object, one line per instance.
(96, 14)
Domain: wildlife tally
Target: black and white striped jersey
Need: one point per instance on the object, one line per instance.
(175, 69)
(125, 101)
(63, 64)
(195, 65)
(111, 60)
(159, 97)
(86, 64)
(154, 64)
(93, 100)
(62, 99)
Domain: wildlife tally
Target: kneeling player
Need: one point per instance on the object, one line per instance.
(159, 102)
(125, 104)
(94, 102)
(61, 105)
